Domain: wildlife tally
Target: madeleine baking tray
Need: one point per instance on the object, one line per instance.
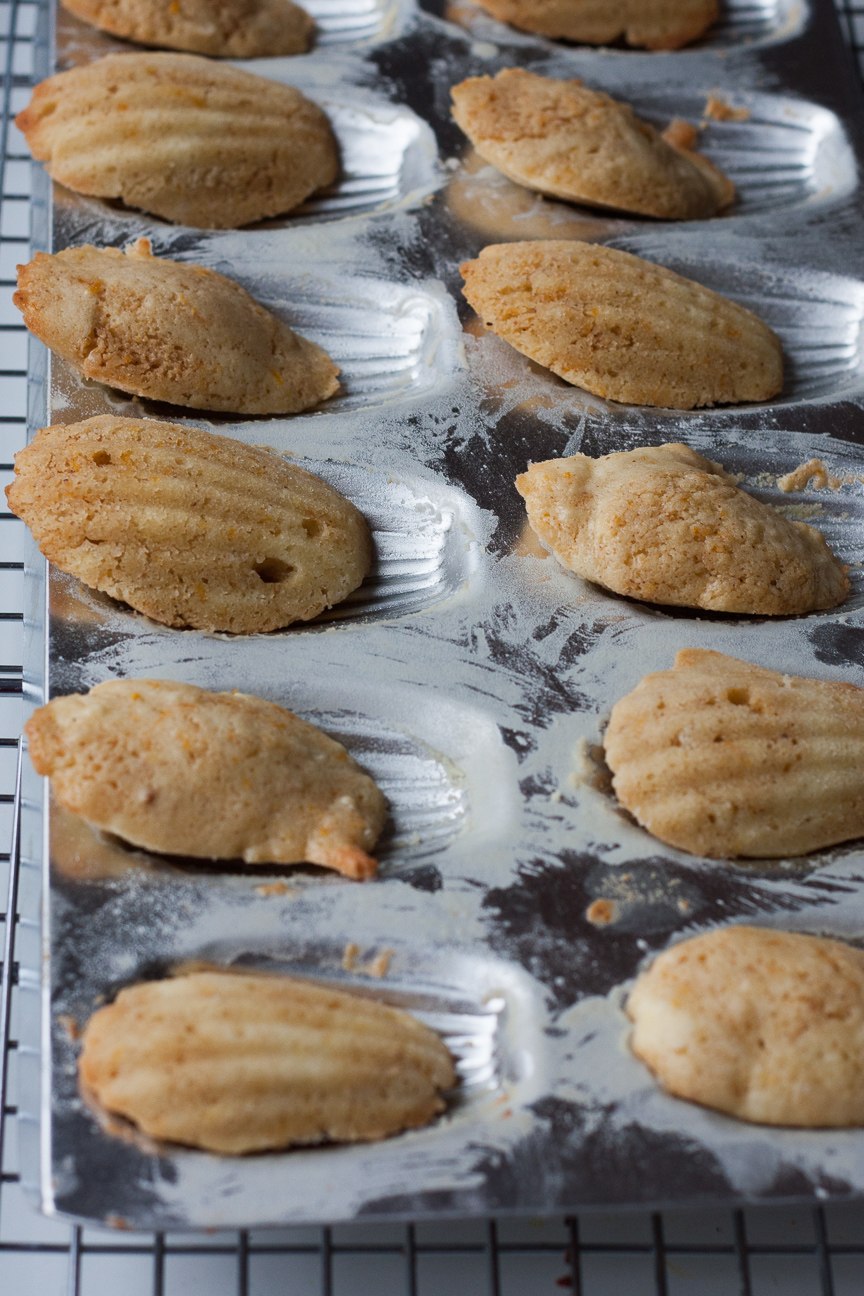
(470, 674)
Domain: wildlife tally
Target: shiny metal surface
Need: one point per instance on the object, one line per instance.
(471, 675)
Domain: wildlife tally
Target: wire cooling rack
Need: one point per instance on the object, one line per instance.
(782, 1251)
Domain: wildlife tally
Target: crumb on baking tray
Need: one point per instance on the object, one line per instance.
(273, 889)
(69, 1025)
(380, 965)
(681, 134)
(602, 912)
(349, 957)
(719, 110)
(813, 471)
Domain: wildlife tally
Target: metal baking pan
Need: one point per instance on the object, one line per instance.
(470, 674)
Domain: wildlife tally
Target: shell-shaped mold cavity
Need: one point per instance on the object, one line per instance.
(775, 149)
(741, 22)
(424, 550)
(428, 798)
(427, 794)
(818, 317)
(622, 327)
(388, 155)
(462, 999)
(390, 341)
(341, 21)
(751, 22)
(240, 1063)
(423, 546)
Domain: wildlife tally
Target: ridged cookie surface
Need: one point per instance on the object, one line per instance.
(191, 528)
(170, 331)
(652, 24)
(237, 1064)
(222, 28)
(666, 525)
(622, 327)
(565, 140)
(765, 1025)
(180, 770)
(194, 141)
(722, 758)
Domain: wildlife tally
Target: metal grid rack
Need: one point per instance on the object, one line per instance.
(790, 1252)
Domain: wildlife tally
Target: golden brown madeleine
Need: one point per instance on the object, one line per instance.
(220, 28)
(191, 528)
(666, 525)
(194, 141)
(562, 139)
(170, 331)
(237, 1064)
(622, 327)
(765, 1025)
(180, 770)
(652, 24)
(722, 758)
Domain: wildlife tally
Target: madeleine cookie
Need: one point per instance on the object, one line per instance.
(562, 139)
(652, 24)
(170, 331)
(183, 771)
(236, 1063)
(622, 327)
(222, 28)
(191, 528)
(765, 1025)
(666, 525)
(188, 139)
(722, 758)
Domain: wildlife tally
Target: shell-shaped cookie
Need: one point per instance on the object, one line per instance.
(722, 758)
(191, 528)
(220, 28)
(170, 331)
(664, 524)
(180, 770)
(622, 327)
(765, 1025)
(651, 24)
(194, 141)
(565, 140)
(236, 1063)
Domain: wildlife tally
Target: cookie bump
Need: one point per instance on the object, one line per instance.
(219, 28)
(170, 331)
(180, 770)
(764, 1025)
(563, 139)
(196, 142)
(666, 525)
(189, 528)
(237, 1064)
(623, 328)
(726, 759)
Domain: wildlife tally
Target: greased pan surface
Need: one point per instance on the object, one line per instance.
(470, 674)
